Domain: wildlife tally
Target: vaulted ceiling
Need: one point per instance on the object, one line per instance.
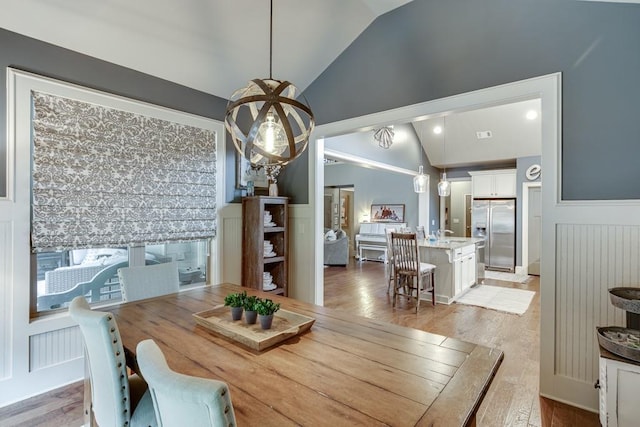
(483, 136)
(215, 46)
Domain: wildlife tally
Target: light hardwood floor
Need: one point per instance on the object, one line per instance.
(512, 399)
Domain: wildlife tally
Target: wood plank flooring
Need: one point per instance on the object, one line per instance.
(512, 399)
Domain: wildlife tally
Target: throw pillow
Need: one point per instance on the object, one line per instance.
(330, 235)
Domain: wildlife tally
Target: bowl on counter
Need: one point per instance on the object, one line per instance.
(626, 298)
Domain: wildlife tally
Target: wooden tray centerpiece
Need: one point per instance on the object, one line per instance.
(286, 324)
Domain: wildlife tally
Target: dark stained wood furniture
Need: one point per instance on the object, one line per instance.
(255, 233)
(346, 370)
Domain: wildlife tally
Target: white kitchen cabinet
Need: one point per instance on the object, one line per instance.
(455, 269)
(619, 389)
(465, 272)
(494, 183)
(468, 270)
(457, 276)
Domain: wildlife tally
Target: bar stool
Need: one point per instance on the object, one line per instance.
(409, 272)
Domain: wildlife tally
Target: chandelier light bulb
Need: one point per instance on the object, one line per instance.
(271, 136)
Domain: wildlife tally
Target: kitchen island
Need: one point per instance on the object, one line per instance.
(455, 261)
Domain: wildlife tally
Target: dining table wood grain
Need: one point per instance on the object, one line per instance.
(346, 370)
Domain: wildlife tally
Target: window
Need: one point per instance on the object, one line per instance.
(106, 173)
(192, 259)
(63, 275)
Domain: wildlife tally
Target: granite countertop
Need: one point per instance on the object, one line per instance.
(450, 242)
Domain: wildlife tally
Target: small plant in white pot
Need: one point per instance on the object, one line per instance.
(236, 302)
(251, 309)
(265, 309)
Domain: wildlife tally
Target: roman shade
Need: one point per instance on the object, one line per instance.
(107, 177)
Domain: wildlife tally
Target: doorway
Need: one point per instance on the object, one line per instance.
(538, 87)
(467, 215)
(548, 89)
(339, 211)
(531, 227)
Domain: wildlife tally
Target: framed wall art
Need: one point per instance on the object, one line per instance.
(387, 213)
(245, 173)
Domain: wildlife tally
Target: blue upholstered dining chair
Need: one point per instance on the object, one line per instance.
(116, 399)
(148, 281)
(183, 400)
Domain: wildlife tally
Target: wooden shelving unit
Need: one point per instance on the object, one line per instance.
(255, 233)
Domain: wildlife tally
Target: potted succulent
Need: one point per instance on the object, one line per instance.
(265, 309)
(236, 302)
(250, 309)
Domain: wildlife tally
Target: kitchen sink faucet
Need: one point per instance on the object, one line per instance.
(442, 234)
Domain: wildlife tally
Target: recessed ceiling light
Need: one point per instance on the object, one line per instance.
(531, 115)
(437, 130)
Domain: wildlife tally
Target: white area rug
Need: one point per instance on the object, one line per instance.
(509, 300)
(509, 277)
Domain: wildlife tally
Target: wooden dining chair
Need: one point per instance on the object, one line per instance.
(148, 281)
(183, 400)
(116, 399)
(389, 267)
(409, 272)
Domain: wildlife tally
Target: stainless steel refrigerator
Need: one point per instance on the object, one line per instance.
(495, 221)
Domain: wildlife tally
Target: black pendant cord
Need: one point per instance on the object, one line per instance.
(271, 41)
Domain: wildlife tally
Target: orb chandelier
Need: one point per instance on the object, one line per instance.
(269, 120)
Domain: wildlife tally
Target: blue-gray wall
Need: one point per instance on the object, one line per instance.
(427, 50)
(373, 186)
(406, 152)
(29, 54)
(48, 60)
(430, 49)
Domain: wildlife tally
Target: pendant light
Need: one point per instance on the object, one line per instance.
(269, 120)
(420, 181)
(444, 186)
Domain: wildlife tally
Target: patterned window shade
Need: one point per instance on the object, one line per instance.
(107, 177)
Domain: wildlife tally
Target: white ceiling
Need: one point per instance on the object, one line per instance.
(512, 135)
(215, 46)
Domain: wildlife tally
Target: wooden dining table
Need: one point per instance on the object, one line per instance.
(345, 370)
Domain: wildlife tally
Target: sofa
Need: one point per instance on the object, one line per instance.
(85, 264)
(336, 247)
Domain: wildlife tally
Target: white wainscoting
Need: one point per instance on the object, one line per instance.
(55, 347)
(301, 246)
(40, 354)
(590, 260)
(5, 298)
(230, 221)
